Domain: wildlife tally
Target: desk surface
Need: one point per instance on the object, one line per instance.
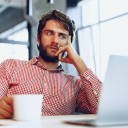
(50, 122)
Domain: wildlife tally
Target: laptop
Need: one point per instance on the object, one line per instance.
(113, 103)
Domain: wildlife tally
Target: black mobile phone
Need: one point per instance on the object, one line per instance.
(64, 54)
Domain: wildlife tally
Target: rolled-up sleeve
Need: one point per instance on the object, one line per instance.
(88, 96)
(6, 69)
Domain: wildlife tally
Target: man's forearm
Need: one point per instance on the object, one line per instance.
(80, 65)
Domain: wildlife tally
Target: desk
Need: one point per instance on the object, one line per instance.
(50, 122)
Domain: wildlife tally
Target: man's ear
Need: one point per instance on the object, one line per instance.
(38, 40)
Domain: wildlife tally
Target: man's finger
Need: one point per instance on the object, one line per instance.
(69, 40)
(8, 100)
(2, 117)
(6, 104)
(5, 114)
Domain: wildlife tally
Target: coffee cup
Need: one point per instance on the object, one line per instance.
(27, 107)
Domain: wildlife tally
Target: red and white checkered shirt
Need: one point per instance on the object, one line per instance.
(63, 94)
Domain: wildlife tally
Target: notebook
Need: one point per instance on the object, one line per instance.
(113, 103)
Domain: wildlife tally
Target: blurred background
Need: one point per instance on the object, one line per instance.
(102, 29)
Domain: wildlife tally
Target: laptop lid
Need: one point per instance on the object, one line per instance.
(113, 105)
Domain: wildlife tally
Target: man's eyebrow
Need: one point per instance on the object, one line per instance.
(60, 33)
(48, 30)
(63, 34)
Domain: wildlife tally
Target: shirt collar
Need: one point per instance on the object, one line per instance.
(35, 61)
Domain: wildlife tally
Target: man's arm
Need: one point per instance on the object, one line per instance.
(88, 96)
(6, 105)
(72, 57)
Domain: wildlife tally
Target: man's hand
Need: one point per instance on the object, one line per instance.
(72, 57)
(6, 108)
(70, 51)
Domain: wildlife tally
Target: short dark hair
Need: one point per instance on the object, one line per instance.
(60, 17)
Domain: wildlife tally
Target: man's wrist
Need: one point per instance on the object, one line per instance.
(80, 66)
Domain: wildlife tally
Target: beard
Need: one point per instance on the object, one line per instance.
(45, 55)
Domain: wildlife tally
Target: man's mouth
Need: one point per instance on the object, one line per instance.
(54, 49)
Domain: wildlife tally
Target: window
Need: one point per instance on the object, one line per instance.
(15, 51)
(105, 34)
(90, 13)
(86, 47)
(14, 43)
(114, 39)
(112, 8)
(21, 35)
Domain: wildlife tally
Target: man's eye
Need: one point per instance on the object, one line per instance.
(49, 33)
(62, 37)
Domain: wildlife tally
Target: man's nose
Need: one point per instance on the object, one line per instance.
(55, 39)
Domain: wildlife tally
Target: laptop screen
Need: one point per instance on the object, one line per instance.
(113, 105)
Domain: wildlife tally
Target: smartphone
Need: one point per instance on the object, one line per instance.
(64, 54)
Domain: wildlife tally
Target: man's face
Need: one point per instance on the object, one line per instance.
(53, 37)
(43, 52)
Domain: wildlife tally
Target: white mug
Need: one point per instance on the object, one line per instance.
(27, 107)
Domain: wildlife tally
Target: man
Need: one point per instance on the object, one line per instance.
(63, 93)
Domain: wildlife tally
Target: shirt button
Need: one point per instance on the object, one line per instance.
(88, 77)
(95, 92)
